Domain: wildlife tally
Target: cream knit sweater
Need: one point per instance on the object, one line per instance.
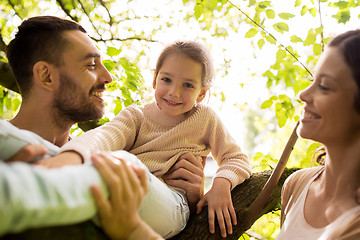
(159, 140)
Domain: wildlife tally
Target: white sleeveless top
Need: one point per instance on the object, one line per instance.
(296, 227)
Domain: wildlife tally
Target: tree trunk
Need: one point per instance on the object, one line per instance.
(7, 78)
(197, 227)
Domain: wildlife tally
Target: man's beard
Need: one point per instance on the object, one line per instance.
(71, 104)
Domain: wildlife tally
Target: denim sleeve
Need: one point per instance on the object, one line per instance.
(32, 197)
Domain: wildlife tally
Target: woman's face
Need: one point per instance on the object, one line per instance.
(329, 114)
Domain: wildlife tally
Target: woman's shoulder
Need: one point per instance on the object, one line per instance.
(302, 176)
(297, 181)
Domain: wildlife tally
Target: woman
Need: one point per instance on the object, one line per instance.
(323, 202)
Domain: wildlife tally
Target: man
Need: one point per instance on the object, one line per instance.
(61, 79)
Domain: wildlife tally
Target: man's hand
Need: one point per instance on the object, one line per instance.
(188, 174)
(127, 186)
(29, 152)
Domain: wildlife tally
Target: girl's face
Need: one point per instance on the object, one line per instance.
(178, 84)
(329, 114)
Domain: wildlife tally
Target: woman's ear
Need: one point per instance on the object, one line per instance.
(202, 94)
(43, 75)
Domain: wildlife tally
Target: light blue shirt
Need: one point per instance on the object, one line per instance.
(31, 196)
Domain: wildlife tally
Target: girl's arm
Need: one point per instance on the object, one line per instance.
(118, 134)
(220, 206)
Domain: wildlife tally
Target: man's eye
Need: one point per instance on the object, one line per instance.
(92, 65)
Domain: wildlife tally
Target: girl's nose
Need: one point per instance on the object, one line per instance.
(175, 91)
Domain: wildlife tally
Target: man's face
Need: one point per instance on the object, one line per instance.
(82, 80)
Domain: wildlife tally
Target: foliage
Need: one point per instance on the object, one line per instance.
(126, 31)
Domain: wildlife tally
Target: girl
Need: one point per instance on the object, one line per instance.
(159, 133)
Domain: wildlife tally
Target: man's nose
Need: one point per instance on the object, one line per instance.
(105, 76)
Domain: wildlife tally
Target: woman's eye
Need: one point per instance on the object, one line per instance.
(322, 87)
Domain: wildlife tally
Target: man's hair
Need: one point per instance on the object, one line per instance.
(38, 39)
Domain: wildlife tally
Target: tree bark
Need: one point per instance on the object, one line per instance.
(7, 78)
(197, 227)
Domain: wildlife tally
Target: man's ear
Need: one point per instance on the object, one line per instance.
(202, 94)
(43, 74)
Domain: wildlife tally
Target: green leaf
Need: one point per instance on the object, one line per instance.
(198, 10)
(251, 33)
(261, 43)
(280, 54)
(311, 38)
(297, 3)
(300, 85)
(313, 12)
(342, 4)
(251, 3)
(264, 4)
(317, 49)
(267, 104)
(111, 51)
(270, 14)
(281, 27)
(110, 65)
(15, 104)
(310, 151)
(295, 39)
(319, 30)
(280, 114)
(286, 16)
(342, 16)
(270, 39)
(304, 10)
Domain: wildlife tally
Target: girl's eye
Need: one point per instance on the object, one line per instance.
(188, 85)
(166, 79)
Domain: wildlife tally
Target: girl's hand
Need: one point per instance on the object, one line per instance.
(127, 187)
(187, 173)
(29, 152)
(219, 202)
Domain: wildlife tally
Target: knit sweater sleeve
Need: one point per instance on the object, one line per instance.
(118, 134)
(233, 163)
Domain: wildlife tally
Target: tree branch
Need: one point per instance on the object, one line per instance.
(272, 36)
(123, 39)
(67, 12)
